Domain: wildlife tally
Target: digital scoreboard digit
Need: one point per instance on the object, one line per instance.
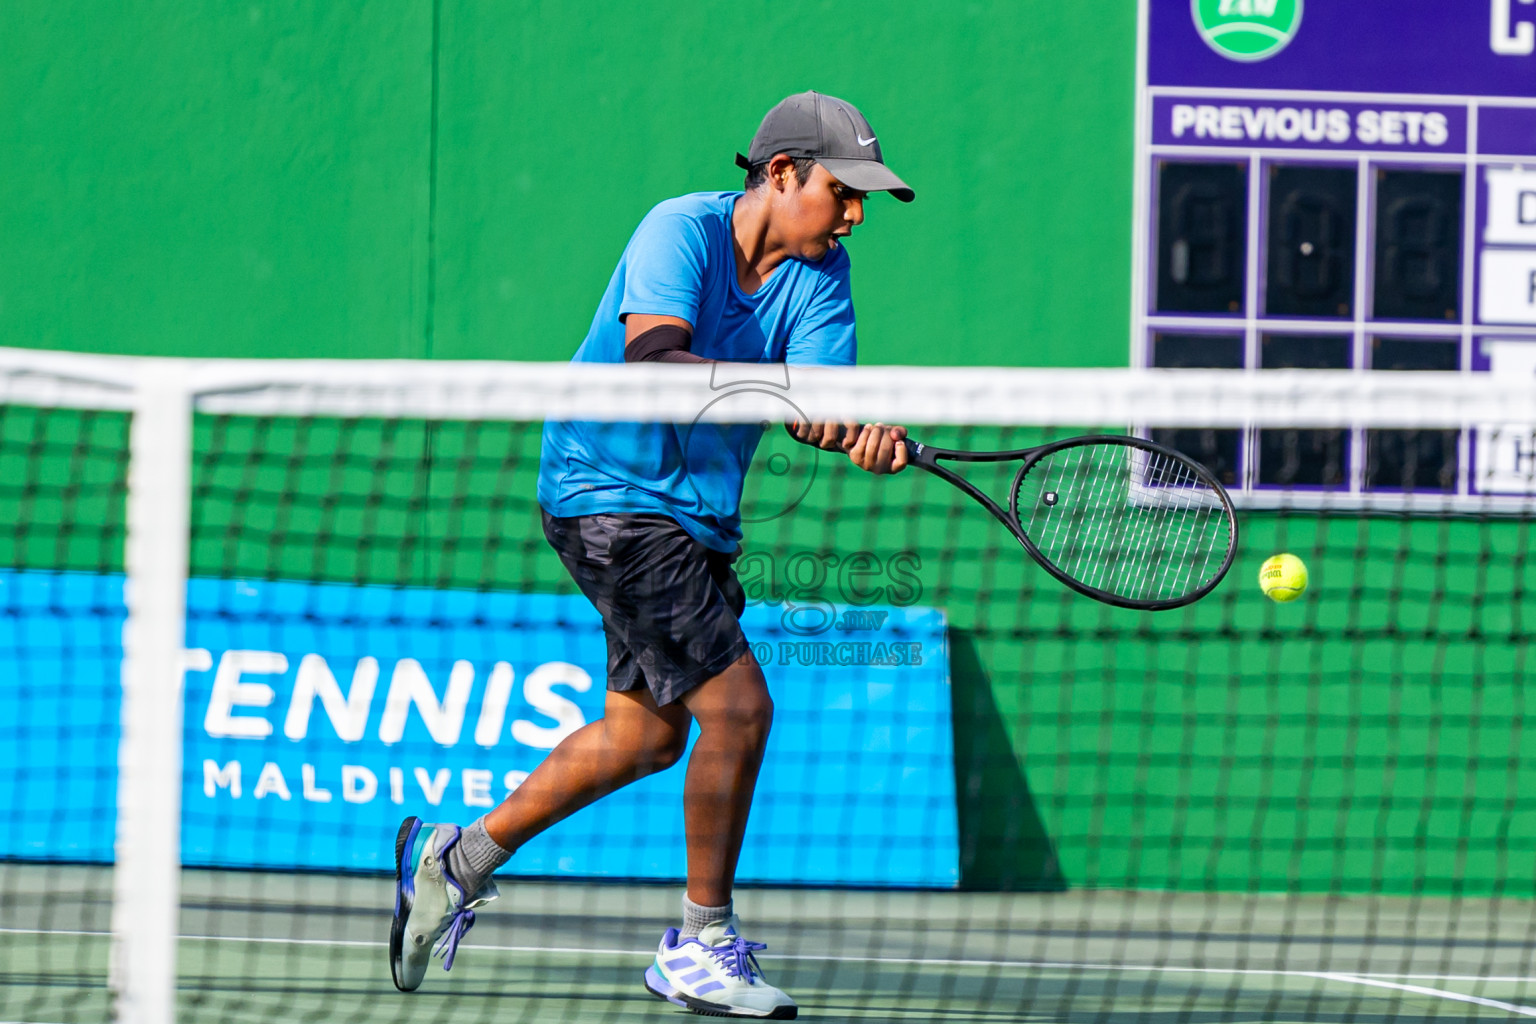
(1346, 186)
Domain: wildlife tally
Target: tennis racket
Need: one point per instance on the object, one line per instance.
(1122, 520)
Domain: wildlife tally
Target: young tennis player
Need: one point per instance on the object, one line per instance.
(649, 525)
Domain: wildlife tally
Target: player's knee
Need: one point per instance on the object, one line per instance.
(668, 749)
(751, 720)
(736, 711)
(661, 748)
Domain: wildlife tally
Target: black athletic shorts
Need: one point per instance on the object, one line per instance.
(670, 605)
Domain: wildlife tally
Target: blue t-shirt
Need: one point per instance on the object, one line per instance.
(681, 262)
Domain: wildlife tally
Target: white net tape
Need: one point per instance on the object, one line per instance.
(905, 394)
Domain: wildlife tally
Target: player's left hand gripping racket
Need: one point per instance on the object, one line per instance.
(1125, 521)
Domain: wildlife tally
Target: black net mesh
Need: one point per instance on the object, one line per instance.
(986, 797)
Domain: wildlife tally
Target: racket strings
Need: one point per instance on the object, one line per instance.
(1130, 522)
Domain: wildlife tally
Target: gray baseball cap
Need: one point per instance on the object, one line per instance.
(831, 131)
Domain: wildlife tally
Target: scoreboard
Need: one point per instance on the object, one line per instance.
(1341, 185)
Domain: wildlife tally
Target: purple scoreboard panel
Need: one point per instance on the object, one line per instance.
(1341, 185)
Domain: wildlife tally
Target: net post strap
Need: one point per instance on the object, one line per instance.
(146, 883)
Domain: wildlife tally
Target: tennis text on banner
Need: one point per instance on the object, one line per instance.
(409, 688)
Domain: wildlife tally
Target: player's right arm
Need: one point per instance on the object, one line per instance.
(873, 447)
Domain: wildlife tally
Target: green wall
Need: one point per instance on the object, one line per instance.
(456, 180)
(452, 179)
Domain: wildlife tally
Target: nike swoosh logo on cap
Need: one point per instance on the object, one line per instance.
(862, 140)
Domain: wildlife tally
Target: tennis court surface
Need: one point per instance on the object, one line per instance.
(258, 947)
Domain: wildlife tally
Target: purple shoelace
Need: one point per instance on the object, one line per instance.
(738, 959)
(448, 946)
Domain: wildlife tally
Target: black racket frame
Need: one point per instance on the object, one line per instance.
(926, 456)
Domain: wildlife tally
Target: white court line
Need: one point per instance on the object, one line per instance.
(1362, 978)
(1497, 1004)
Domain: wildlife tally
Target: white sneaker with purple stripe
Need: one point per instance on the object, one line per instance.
(716, 974)
(430, 904)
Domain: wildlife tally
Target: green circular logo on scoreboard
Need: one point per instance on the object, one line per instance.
(1246, 30)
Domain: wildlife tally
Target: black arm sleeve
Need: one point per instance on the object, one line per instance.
(665, 344)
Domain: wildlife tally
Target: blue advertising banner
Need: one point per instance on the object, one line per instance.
(316, 716)
(61, 648)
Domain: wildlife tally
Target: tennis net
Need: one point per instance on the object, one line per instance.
(257, 612)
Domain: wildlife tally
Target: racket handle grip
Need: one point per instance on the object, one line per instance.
(917, 453)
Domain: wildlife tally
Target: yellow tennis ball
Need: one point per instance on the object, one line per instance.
(1283, 577)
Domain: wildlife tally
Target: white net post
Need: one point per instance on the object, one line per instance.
(146, 900)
